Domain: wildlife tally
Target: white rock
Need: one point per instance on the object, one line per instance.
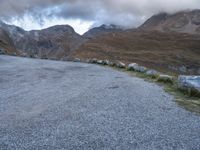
(165, 78)
(100, 62)
(120, 64)
(136, 67)
(189, 83)
(77, 60)
(152, 73)
(132, 66)
(106, 62)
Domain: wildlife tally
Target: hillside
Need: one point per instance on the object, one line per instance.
(183, 22)
(167, 52)
(6, 44)
(54, 42)
(103, 29)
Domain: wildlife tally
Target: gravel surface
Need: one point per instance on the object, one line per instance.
(50, 105)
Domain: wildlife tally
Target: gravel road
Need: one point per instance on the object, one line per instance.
(50, 105)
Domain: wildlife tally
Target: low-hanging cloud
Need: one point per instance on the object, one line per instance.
(120, 12)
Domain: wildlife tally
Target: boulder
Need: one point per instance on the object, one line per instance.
(106, 62)
(165, 78)
(120, 64)
(152, 73)
(77, 60)
(136, 67)
(100, 62)
(132, 66)
(191, 84)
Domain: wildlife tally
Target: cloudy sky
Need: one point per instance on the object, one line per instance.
(83, 14)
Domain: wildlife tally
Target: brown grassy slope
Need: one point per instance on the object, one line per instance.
(162, 51)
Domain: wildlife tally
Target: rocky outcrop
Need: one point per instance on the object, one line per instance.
(190, 84)
(6, 43)
(55, 42)
(184, 22)
(103, 29)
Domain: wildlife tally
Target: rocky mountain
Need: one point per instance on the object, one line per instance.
(54, 42)
(6, 44)
(183, 22)
(103, 29)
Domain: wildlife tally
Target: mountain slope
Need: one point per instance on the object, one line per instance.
(167, 52)
(104, 29)
(54, 42)
(6, 44)
(183, 22)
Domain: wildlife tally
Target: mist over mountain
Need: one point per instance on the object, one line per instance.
(127, 13)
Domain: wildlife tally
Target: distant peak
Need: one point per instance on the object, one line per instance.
(111, 26)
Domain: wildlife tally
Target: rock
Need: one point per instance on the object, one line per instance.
(191, 84)
(165, 78)
(136, 67)
(120, 64)
(140, 69)
(152, 73)
(100, 62)
(77, 60)
(132, 66)
(106, 62)
(2, 51)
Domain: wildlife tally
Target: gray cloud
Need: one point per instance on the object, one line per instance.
(120, 12)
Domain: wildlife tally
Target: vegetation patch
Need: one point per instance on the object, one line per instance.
(187, 101)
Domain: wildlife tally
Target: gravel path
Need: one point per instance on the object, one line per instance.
(50, 105)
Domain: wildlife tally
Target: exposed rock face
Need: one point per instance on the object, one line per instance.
(6, 44)
(54, 42)
(184, 22)
(104, 29)
(190, 84)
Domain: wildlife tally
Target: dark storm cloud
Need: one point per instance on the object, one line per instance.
(120, 12)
